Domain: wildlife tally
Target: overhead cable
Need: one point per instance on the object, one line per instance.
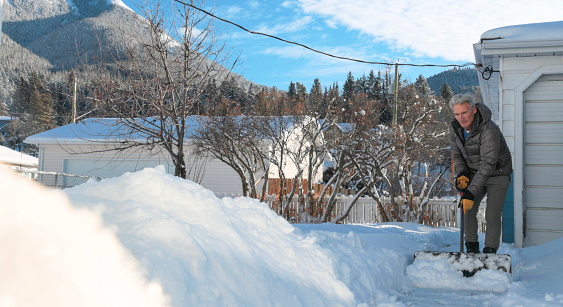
(315, 50)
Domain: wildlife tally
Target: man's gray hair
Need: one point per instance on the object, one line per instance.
(462, 98)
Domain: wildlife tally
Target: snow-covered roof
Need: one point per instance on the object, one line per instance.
(545, 31)
(111, 130)
(12, 157)
(100, 130)
(526, 38)
(536, 39)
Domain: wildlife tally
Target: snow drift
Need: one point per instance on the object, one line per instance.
(151, 239)
(54, 255)
(208, 251)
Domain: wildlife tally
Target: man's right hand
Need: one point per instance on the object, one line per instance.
(462, 181)
(466, 202)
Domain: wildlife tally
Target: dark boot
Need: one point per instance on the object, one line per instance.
(489, 250)
(472, 247)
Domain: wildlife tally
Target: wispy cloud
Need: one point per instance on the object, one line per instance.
(440, 28)
(294, 25)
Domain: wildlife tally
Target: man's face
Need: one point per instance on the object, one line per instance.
(464, 114)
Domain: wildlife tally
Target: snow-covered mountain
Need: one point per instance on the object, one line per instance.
(52, 36)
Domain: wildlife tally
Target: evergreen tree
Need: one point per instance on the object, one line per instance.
(349, 87)
(40, 107)
(316, 100)
(374, 86)
(300, 92)
(63, 100)
(3, 109)
(33, 104)
(22, 95)
(446, 92)
(422, 87)
(362, 85)
(292, 91)
(332, 96)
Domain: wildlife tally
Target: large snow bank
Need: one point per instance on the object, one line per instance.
(208, 251)
(54, 255)
(168, 237)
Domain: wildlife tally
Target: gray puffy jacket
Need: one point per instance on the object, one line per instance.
(484, 154)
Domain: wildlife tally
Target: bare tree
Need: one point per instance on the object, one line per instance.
(403, 162)
(418, 139)
(236, 141)
(166, 73)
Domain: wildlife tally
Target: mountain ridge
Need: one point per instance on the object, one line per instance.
(51, 37)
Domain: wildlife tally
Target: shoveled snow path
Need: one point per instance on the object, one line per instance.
(533, 282)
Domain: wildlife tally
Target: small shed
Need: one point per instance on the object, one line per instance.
(521, 79)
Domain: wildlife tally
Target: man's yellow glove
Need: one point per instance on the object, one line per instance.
(466, 201)
(462, 181)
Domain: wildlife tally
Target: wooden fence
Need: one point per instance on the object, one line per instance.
(275, 183)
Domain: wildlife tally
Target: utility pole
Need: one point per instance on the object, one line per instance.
(1, 15)
(395, 93)
(73, 97)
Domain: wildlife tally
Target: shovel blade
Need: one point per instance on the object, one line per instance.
(470, 263)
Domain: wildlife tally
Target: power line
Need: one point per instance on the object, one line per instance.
(318, 51)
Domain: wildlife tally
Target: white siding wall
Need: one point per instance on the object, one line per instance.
(517, 75)
(212, 174)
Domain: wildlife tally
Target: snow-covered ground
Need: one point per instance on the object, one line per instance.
(150, 239)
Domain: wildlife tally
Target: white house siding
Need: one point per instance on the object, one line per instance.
(535, 217)
(543, 159)
(217, 176)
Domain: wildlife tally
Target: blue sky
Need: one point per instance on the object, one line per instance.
(408, 31)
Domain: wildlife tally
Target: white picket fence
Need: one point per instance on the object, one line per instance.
(438, 211)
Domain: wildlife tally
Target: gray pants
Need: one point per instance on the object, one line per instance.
(495, 189)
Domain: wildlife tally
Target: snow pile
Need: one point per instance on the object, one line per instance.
(370, 273)
(208, 251)
(440, 274)
(54, 255)
(168, 241)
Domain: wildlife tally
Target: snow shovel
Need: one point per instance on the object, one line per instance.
(468, 263)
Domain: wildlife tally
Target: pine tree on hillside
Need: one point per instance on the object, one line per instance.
(3, 109)
(463, 80)
(446, 92)
(33, 105)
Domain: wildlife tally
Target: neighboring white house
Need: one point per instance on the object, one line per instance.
(84, 148)
(17, 160)
(523, 85)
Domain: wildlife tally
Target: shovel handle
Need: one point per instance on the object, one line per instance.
(461, 224)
